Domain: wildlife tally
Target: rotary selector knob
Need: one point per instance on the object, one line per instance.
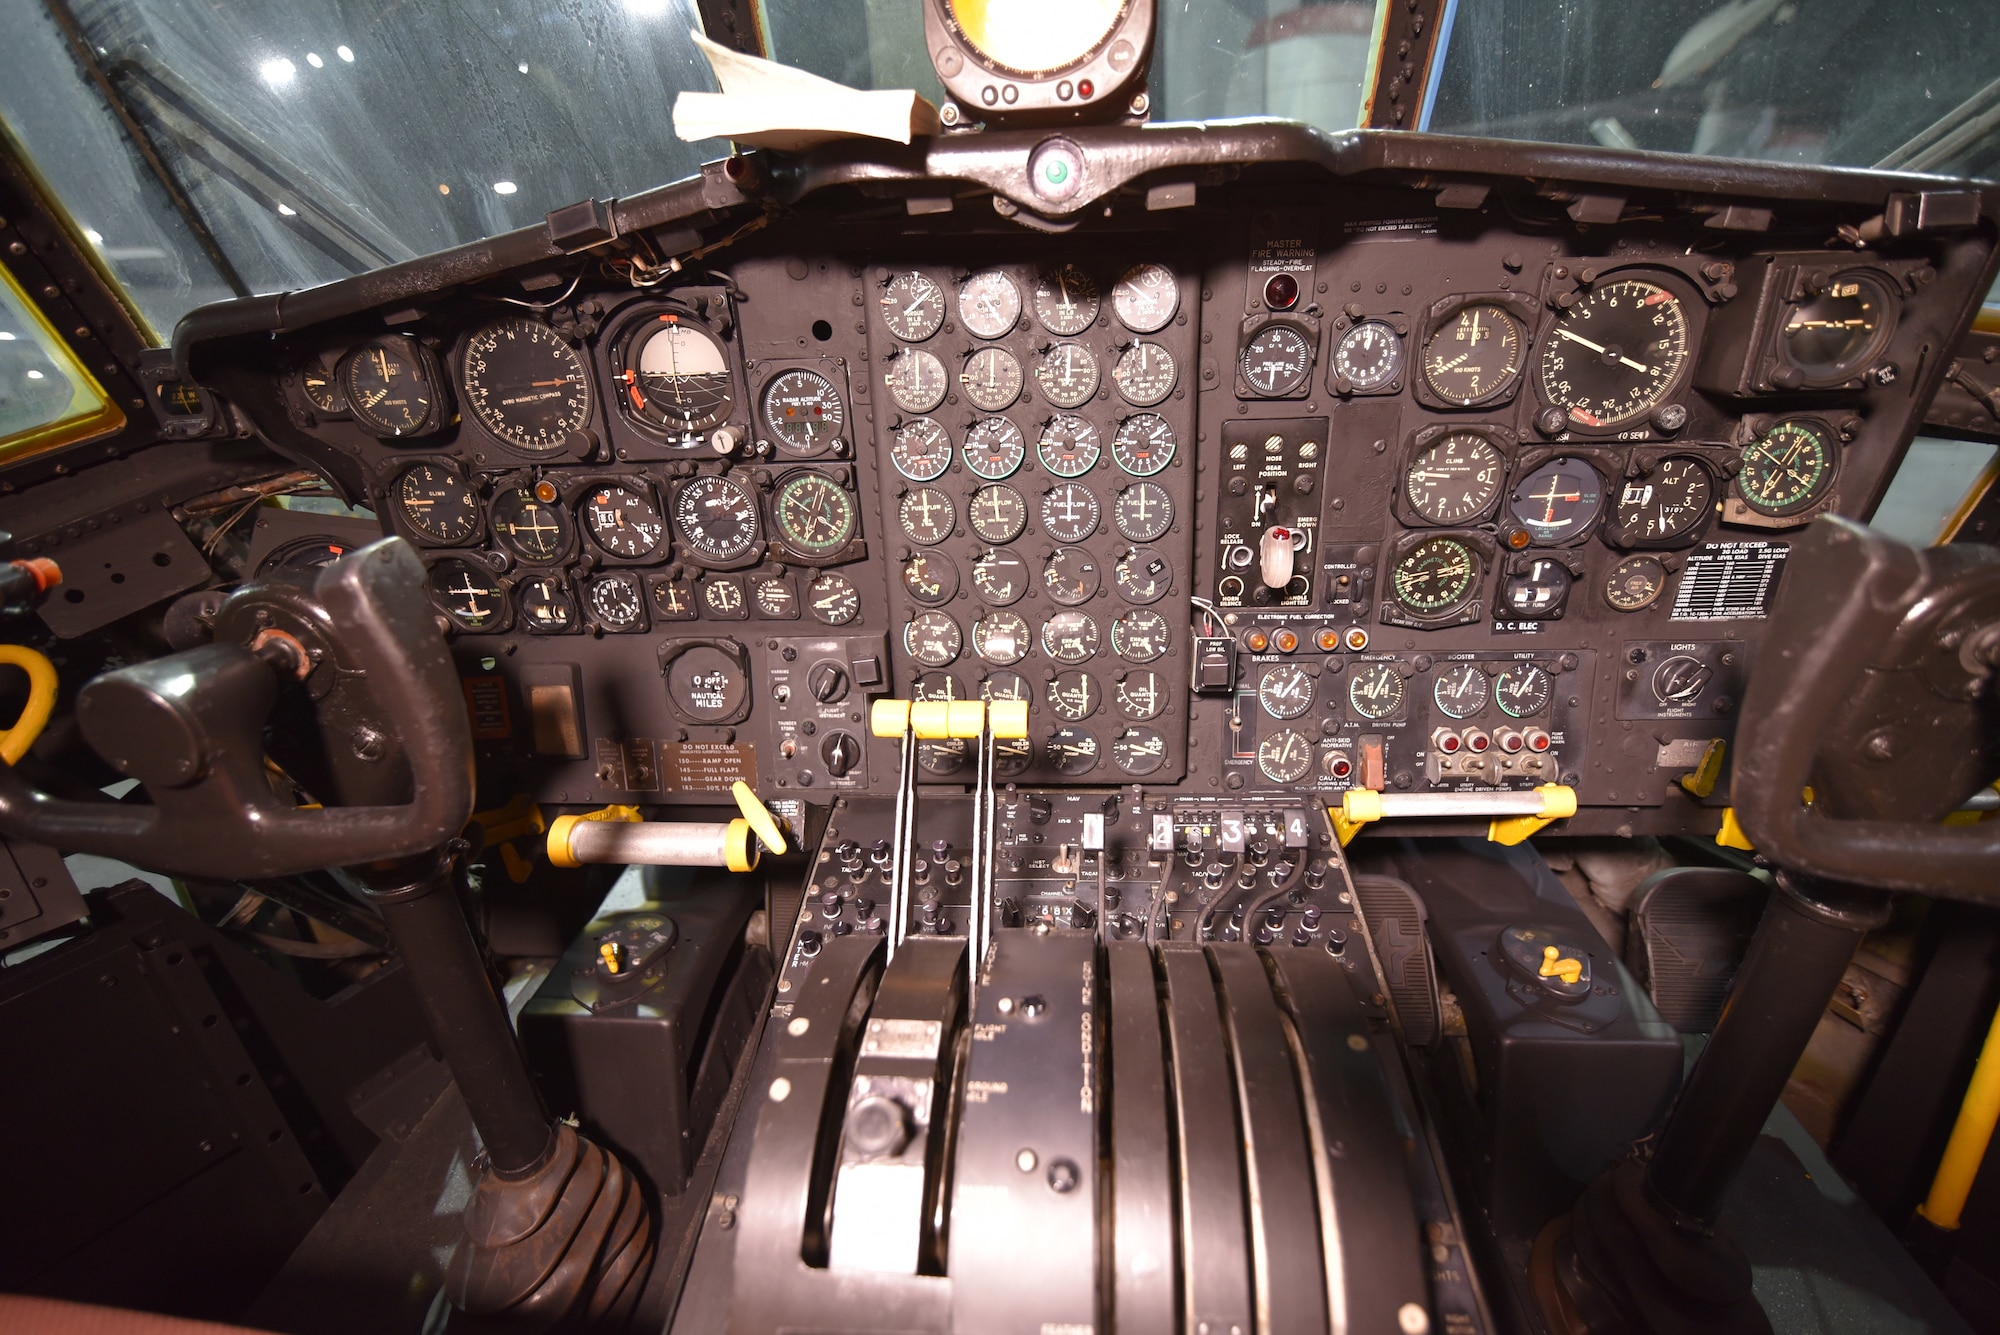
(840, 753)
(827, 682)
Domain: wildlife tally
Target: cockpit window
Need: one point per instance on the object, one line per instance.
(47, 398)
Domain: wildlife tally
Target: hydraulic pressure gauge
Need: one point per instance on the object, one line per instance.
(1285, 756)
(1375, 691)
(1615, 355)
(1522, 690)
(1069, 446)
(1066, 300)
(1788, 469)
(1461, 691)
(912, 306)
(992, 379)
(804, 411)
(1474, 356)
(921, 450)
(1286, 691)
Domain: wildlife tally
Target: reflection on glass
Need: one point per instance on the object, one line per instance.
(1030, 36)
(47, 399)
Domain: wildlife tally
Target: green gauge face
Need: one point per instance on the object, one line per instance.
(815, 514)
(1435, 576)
(1788, 470)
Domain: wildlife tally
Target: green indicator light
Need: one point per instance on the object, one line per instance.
(1057, 172)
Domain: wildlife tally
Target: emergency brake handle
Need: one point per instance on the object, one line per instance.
(189, 727)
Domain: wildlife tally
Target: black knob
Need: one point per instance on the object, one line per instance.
(809, 943)
(1039, 809)
(840, 753)
(1311, 918)
(827, 682)
(863, 907)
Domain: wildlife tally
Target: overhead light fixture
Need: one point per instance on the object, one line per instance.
(504, 187)
(278, 72)
(346, 53)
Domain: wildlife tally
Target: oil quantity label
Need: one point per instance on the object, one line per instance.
(1730, 581)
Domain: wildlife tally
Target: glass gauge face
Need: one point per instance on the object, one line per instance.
(1002, 637)
(1071, 576)
(991, 379)
(774, 596)
(1070, 637)
(1066, 300)
(677, 377)
(1000, 577)
(723, 597)
(1369, 356)
(997, 513)
(615, 602)
(1067, 374)
(833, 599)
(1005, 686)
(716, 518)
(529, 527)
(930, 577)
(1669, 502)
(1144, 374)
(1146, 298)
(437, 503)
(1788, 470)
(1143, 445)
(1071, 750)
(1140, 636)
(1069, 512)
(1033, 39)
(322, 389)
(624, 522)
(936, 686)
(989, 304)
(1375, 691)
(926, 515)
(1831, 335)
(942, 757)
(1635, 583)
(1138, 750)
(933, 639)
(1285, 756)
(804, 411)
(468, 595)
(546, 607)
(916, 380)
(673, 599)
(1455, 480)
(1435, 576)
(1277, 361)
(1615, 354)
(1537, 592)
(815, 514)
(1143, 511)
(1559, 501)
(1473, 356)
(921, 450)
(1286, 691)
(1074, 695)
(1069, 446)
(387, 389)
(1143, 575)
(1140, 695)
(1522, 689)
(526, 385)
(1461, 691)
(994, 449)
(912, 307)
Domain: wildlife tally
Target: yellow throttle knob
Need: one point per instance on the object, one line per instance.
(760, 818)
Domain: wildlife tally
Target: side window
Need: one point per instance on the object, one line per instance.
(1936, 478)
(47, 399)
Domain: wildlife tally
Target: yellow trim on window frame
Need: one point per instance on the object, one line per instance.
(104, 419)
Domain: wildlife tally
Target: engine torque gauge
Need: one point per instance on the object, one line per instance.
(1066, 300)
(921, 450)
(1071, 750)
(1069, 446)
(528, 526)
(916, 380)
(1002, 637)
(930, 578)
(816, 516)
(437, 503)
(1286, 691)
(1368, 357)
(1615, 354)
(1285, 756)
(991, 379)
(1146, 298)
(1558, 502)
(1143, 511)
(1138, 750)
(1069, 512)
(1071, 576)
(1474, 356)
(1067, 374)
(1522, 689)
(997, 513)
(1140, 636)
(1141, 695)
(1788, 469)
(675, 374)
(912, 306)
(624, 522)
(1073, 695)
(1455, 480)
(989, 304)
(615, 602)
(994, 448)
(1435, 577)
(526, 385)
(833, 599)
(926, 515)
(1145, 374)
(1375, 691)
(1833, 334)
(1143, 575)
(469, 596)
(1635, 584)
(804, 411)
(546, 607)
(390, 388)
(716, 518)
(1461, 691)
(933, 639)
(1277, 361)
(1000, 578)
(1144, 444)
(1670, 502)
(1070, 637)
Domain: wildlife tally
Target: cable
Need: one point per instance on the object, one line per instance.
(42, 682)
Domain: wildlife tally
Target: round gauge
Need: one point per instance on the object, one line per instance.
(467, 594)
(1067, 374)
(936, 686)
(1559, 501)
(1070, 575)
(708, 684)
(1436, 576)
(989, 304)
(803, 410)
(1000, 577)
(916, 380)
(912, 306)
(1369, 356)
(815, 515)
(1066, 300)
(1146, 298)
(1668, 503)
(1144, 444)
(1069, 446)
(1140, 636)
(1522, 689)
(1006, 686)
(997, 513)
(833, 599)
(926, 515)
(529, 527)
(1070, 637)
(1143, 575)
(1002, 637)
(1144, 374)
(1071, 750)
(1537, 592)
(1375, 691)
(994, 448)
(991, 379)
(716, 518)
(1011, 755)
(933, 639)
(1143, 511)
(437, 503)
(673, 599)
(930, 578)
(723, 597)
(1788, 469)
(615, 602)
(1285, 756)
(1473, 356)
(546, 607)
(304, 554)
(1461, 691)
(676, 374)
(1635, 583)
(388, 388)
(1138, 750)
(1615, 354)
(1069, 512)
(774, 596)
(526, 385)
(921, 451)
(322, 389)
(1455, 480)
(1073, 695)
(1277, 361)
(942, 757)
(1831, 335)
(1286, 691)
(1141, 695)
(624, 521)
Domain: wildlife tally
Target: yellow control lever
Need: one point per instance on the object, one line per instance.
(760, 818)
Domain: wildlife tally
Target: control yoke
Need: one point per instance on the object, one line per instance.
(360, 639)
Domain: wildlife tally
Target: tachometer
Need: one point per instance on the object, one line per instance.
(716, 518)
(1144, 374)
(815, 514)
(526, 385)
(1067, 374)
(804, 411)
(1615, 354)
(916, 380)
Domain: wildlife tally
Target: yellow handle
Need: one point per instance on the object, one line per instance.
(889, 718)
(760, 819)
(15, 741)
(560, 827)
(1970, 1135)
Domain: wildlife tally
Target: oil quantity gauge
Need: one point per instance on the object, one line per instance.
(1073, 695)
(1141, 695)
